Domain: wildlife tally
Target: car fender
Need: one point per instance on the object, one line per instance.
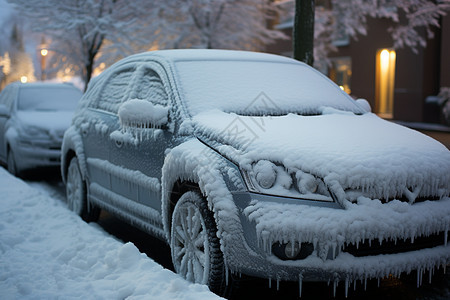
(195, 162)
(11, 137)
(72, 143)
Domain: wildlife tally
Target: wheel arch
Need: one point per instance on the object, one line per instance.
(194, 166)
(72, 146)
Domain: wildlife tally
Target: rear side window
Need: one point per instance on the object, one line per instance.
(150, 87)
(115, 91)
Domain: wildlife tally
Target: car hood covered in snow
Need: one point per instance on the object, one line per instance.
(358, 153)
(46, 120)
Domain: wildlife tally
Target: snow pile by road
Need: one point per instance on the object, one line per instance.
(47, 252)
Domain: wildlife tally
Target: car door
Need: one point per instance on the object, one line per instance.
(140, 159)
(99, 121)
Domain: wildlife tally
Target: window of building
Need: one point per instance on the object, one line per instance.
(384, 85)
(340, 72)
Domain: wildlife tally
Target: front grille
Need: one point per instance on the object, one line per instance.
(391, 247)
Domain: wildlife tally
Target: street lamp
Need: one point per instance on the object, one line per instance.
(44, 53)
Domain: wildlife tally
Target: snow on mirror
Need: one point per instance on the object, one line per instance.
(139, 119)
(364, 104)
(142, 114)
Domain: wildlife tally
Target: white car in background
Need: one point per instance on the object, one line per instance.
(33, 118)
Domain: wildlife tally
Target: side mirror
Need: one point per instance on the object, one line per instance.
(4, 111)
(143, 114)
(364, 104)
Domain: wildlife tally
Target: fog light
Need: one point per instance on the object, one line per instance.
(291, 250)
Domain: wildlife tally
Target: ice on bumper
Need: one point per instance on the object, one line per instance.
(367, 221)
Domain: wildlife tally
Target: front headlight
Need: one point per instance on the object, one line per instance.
(266, 177)
(34, 132)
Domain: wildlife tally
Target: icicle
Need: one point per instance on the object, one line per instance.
(300, 284)
(365, 283)
(226, 276)
(418, 278)
(334, 288)
(430, 274)
(445, 237)
(354, 285)
(346, 287)
(278, 284)
(378, 281)
(270, 283)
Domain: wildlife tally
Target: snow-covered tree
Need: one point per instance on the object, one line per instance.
(226, 24)
(80, 29)
(334, 18)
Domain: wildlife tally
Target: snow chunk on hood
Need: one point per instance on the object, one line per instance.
(46, 120)
(361, 152)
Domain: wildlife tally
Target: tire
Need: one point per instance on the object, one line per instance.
(194, 244)
(11, 163)
(76, 194)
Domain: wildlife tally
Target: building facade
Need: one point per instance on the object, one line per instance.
(396, 82)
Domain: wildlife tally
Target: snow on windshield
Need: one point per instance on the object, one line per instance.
(48, 99)
(234, 86)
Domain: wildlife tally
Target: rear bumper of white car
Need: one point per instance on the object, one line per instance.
(340, 244)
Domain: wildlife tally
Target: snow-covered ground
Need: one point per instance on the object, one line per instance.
(47, 252)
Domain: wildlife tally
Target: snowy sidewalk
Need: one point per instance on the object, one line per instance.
(47, 252)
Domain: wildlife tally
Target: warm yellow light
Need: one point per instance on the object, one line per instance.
(385, 82)
(342, 87)
(384, 60)
(23, 79)
(44, 52)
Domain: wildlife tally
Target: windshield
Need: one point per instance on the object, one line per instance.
(259, 88)
(48, 98)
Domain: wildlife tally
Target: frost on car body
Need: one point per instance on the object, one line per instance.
(302, 182)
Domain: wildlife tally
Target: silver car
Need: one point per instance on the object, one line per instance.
(257, 164)
(33, 118)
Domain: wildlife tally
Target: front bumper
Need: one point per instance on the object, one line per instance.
(37, 153)
(267, 220)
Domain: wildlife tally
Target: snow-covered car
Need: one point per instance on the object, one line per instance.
(251, 163)
(33, 118)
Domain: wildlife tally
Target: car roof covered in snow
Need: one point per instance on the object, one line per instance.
(210, 54)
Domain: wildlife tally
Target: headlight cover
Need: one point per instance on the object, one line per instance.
(266, 177)
(31, 132)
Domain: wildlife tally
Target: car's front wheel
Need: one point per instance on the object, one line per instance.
(76, 193)
(194, 243)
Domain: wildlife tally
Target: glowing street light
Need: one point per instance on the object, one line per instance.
(23, 79)
(44, 53)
